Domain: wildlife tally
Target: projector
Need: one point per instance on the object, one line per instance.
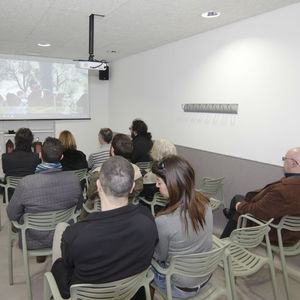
(91, 64)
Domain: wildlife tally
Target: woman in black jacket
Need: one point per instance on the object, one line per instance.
(73, 159)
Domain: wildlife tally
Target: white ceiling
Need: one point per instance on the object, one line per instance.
(129, 26)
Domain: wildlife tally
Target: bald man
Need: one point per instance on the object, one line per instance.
(275, 200)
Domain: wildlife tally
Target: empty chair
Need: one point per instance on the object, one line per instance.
(213, 187)
(244, 262)
(123, 289)
(44, 221)
(198, 265)
(291, 223)
(158, 200)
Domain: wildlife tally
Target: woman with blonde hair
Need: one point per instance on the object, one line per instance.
(161, 148)
(184, 225)
(73, 159)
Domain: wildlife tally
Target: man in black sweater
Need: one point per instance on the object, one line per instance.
(110, 245)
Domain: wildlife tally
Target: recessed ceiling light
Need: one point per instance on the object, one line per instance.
(211, 14)
(44, 44)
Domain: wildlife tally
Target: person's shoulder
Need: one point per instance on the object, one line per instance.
(143, 211)
(81, 153)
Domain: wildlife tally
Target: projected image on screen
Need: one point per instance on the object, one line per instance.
(42, 90)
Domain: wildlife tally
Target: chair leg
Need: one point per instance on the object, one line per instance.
(232, 286)
(274, 282)
(27, 274)
(285, 275)
(10, 256)
(46, 291)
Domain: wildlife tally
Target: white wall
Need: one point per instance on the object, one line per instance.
(254, 63)
(86, 131)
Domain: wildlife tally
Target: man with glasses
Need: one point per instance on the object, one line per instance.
(275, 200)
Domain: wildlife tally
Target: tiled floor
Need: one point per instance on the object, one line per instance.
(256, 287)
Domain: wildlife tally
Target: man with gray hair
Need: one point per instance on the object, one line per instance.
(110, 245)
(97, 159)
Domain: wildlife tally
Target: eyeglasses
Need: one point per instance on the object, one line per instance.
(285, 158)
(161, 164)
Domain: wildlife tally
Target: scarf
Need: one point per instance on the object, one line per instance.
(45, 166)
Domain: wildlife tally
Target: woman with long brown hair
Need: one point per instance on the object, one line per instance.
(184, 225)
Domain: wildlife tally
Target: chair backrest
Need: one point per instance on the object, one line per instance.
(197, 265)
(122, 289)
(159, 199)
(289, 222)
(143, 165)
(211, 186)
(46, 221)
(250, 237)
(12, 181)
(81, 173)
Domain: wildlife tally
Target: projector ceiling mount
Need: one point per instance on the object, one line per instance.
(91, 63)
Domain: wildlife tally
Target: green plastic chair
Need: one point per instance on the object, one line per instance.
(120, 290)
(83, 175)
(44, 221)
(244, 262)
(289, 223)
(212, 187)
(143, 165)
(11, 183)
(96, 208)
(198, 265)
(158, 200)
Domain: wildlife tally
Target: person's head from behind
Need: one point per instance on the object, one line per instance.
(176, 181)
(105, 135)
(116, 179)
(24, 139)
(52, 150)
(139, 127)
(121, 145)
(67, 139)
(292, 161)
(162, 148)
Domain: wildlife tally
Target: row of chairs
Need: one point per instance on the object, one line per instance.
(289, 223)
(232, 255)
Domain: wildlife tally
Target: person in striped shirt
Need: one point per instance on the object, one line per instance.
(97, 159)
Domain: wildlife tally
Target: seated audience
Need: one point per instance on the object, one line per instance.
(50, 189)
(275, 200)
(97, 159)
(121, 145)
(110, 245)
(141, 140)
(73, 159)
(21, 161)
(184, 225)
(160, 149)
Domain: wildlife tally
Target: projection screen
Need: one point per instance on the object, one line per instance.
(32, 88)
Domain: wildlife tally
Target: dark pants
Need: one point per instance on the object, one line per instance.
(231, 224)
